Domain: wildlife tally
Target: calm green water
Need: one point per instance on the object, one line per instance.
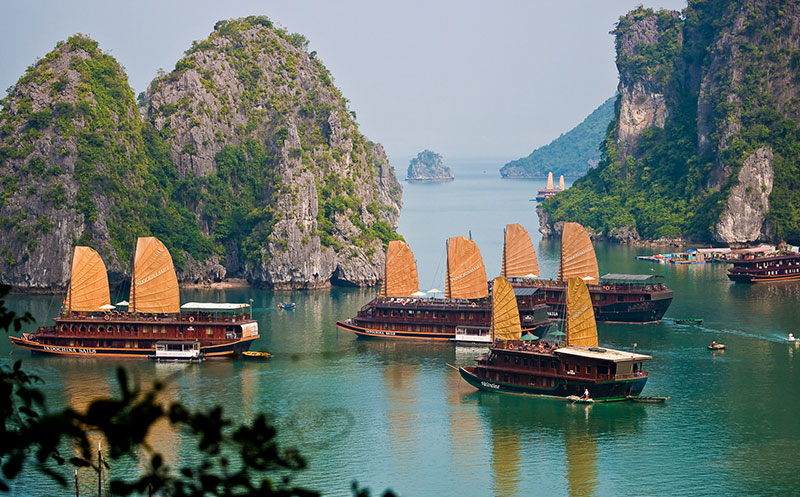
(393, 415)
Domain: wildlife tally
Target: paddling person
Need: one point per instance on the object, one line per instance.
(791, 336)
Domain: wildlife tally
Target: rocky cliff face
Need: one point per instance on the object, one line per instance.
(253, 90)
(247, 164)
(428, 166)
(70, 141)
(706, 131)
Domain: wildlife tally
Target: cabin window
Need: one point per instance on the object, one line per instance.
(101, 328)
(577, 368)
(516, 378)
(427, 313)
(461, 316)
(525, 361)
(128, 328)
(588, 370)
(111, 329)
(63, 327)
(209, 332)
(602, 370)
(553, 364)
(394, 312)
(400, 312)
(516, 360)
(620, 298)
(410, 313)
(566, 366)
(386, 312)
(470, 316)
(505, 358)
(505, 378)
(533, 380)
(533, 362)
(83, 328)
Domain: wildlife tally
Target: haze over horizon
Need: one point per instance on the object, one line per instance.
(470, 81)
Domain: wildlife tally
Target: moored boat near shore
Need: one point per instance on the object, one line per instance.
(90, 326)
(753, 269)
(464, 314)
(548, 369)
(616, 298)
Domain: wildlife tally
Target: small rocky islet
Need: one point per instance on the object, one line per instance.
(428, 167)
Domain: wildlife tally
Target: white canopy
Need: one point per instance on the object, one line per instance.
(212, 306)
(107, 307)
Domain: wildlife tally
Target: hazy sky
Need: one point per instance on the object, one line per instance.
(472, 80)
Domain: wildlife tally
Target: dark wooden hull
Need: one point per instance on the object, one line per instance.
(209, 350)
(129, 335)
(564, 387)
(439, 336)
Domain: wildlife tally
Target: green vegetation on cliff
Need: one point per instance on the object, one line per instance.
(247, 154)
(87, 106)
(571, 154)
(728, 72)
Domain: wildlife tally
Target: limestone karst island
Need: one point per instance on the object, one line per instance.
(428, 167)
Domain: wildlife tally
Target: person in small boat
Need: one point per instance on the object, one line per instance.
(713, 343)
(585, 394)
(791, 336)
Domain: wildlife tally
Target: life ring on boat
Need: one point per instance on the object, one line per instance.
(606, 287)
(510, 346)
(191, 319)
(106, 317)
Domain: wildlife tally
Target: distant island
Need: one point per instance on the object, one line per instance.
(427, 166)
(571, 154)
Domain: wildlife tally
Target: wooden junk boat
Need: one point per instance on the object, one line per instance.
(550, 191)
(753, 269)
(87, 325)
(547, 369)
(464, 315)
(616, 298)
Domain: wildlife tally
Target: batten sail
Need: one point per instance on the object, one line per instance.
(88, 282)
(466, 275)
(505, 314)
(550, 180)
(581, 326)
(154, 285)
(519, 257)
(400, 277)
(577, 255)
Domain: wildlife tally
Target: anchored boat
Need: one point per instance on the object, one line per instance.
(549, 369)
(464, 315)
(90, 326)
(616, 298)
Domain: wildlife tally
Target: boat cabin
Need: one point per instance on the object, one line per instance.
(178, 351)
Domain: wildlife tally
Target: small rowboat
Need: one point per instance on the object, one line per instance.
(256, 356)
(716, 346)
(287, 305)
(647, 400)
(791, 340)
(579, 400)
(688, 321)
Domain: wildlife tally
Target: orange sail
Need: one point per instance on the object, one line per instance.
(88, 283)
(505, 314)
(577, 255)
(581, 326)
(519, 257)
(154, 285)
(466, 276)
(400, 278)
(550, 180)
